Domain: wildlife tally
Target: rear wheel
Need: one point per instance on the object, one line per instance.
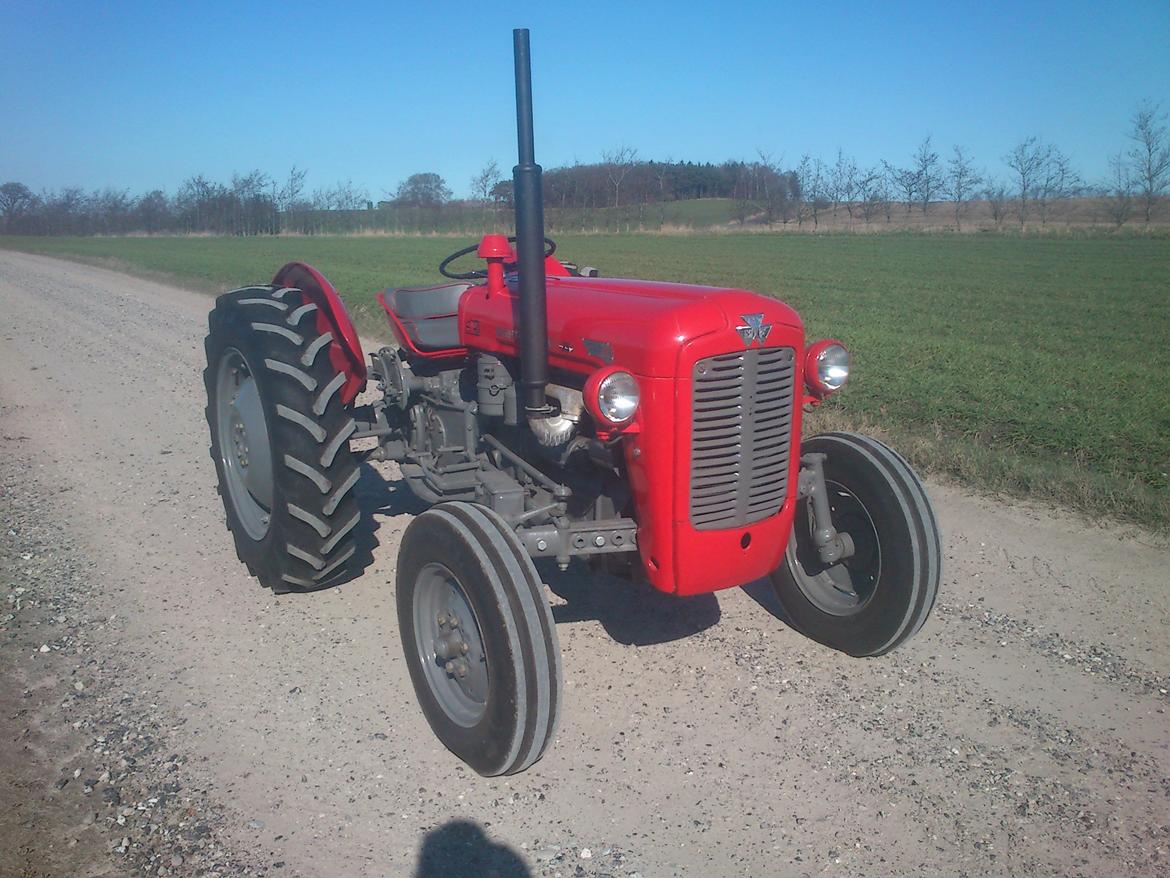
(279, 438)
(878, 597)
(479, 638)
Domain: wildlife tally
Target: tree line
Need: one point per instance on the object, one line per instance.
(761, 190)
(250, 204)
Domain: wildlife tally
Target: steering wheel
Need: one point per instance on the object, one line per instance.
(479, 273)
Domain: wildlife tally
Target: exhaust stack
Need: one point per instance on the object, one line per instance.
(532, 335)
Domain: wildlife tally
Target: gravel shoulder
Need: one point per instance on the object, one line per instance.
(1024, 731)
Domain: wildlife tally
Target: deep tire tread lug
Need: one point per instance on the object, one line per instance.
(314, 470)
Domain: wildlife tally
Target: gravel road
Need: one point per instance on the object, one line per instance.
(160, 713)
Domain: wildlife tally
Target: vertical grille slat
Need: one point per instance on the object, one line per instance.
(741, 436)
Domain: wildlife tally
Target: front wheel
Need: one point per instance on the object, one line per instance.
(877, 598)
(479, 637)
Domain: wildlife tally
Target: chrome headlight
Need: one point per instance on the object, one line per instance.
(826, 366)
(618, 397)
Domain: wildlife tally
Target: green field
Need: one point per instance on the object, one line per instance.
(1036, 366)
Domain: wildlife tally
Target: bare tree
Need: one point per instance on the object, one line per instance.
(350, 197)
(927, 172)
(996, 195)
(904, 181)
(618, 164)
(843, 184)
(1026, 161)
(485, 181)
(1119, 190)
(1055, 182)
(15, 199)
(291, 200)
(252, 209)
(151, 211)
(961, 182)
(293, 189)
(773, 191)
(887, 196)
(78, 210)
(1150, 155)
(870, 192)
(815, 191)
(804, 186)
(482, 185)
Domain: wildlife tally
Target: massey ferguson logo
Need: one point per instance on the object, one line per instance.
(754, 329)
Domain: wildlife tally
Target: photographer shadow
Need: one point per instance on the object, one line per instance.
(460, 847)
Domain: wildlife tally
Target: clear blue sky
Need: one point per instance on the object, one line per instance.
(141, 95)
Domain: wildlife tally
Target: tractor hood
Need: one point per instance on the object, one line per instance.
(639, 325)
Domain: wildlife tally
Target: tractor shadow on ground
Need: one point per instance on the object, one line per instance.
(461, 847)
(761, 592)
(632, 613)
(376, 495)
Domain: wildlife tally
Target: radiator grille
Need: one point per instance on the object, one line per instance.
(741, 436)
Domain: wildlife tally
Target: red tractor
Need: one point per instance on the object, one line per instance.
(650, 428)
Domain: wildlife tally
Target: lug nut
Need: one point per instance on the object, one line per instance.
(464, 648)
(449, 667)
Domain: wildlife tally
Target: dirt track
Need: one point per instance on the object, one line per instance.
(1024, 732)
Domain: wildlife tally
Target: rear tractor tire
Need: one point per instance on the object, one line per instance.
(280, 439)
(876, 599)
(479, 638)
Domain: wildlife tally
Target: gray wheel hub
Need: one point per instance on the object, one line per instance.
(846, 587)
(244, 446)
(449, 645)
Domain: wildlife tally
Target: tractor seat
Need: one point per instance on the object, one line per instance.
(429, 315)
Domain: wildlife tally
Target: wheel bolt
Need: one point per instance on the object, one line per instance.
(449, 667)
(461, 671)
(464, 648)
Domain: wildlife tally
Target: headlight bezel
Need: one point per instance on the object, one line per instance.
(822, 356)
(610, 380)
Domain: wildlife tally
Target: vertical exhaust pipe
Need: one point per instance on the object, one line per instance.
(532, 333)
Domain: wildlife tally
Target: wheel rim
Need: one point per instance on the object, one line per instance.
(449, 645)
(847, 587)
(244, 448)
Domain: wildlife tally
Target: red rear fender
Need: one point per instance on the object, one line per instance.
(345, 352)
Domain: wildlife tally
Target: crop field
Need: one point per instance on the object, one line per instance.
(1034, 366)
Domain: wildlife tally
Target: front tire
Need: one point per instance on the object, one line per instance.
(875, 600)
(280, 439)
(479, 638)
